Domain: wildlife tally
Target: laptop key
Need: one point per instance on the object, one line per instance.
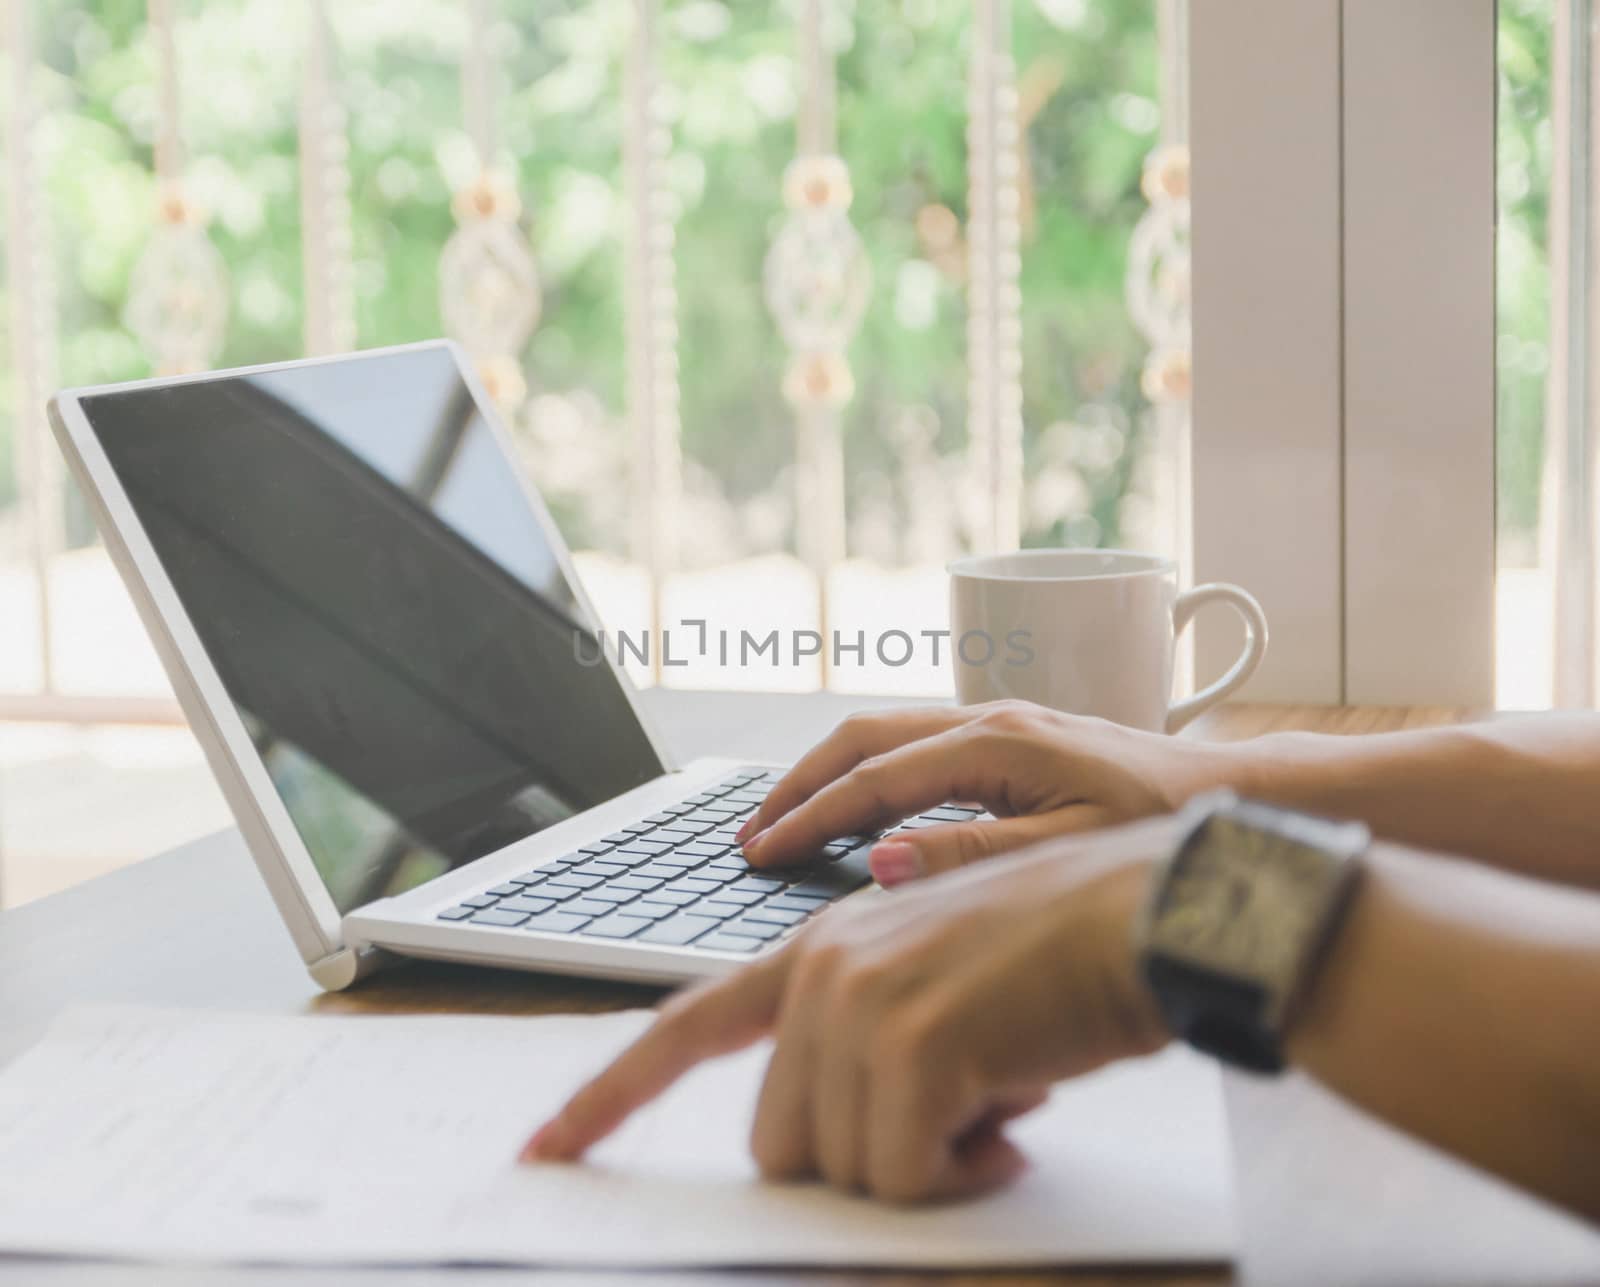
(753, 929)
(644, 884)
(849, 873)
(730, 862)
(600, 869)
(494, 916)
(692, 885)
(820, 890)
(677, 897)
(689, 820)
(760, 884)
(714, 906)
(680, 863)
(704, 849)
(530, 905)
(724, 942)
(574, 880)
(606, 894)
(768, 914)
(788, 903)
(587, 906)
(618, 926)
(711, 821)
(625, 859)
(738, 897)
(557, 922)
(677, 931)
(678, 832)
(598, 847)
(645, 847)
(656, 819)
(457, 913)
(504, 891)
(655, 911)
(544, 889)
(479, 901)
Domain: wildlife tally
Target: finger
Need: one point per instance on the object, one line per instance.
(927, 1164)
(781, 1135)
(840, 1095)
(919, 1103)
(881, 790)
(851, 741)
(723, 1017)
(984, 1161)
(910, 855)
(837, 1127)
(1019, 1105)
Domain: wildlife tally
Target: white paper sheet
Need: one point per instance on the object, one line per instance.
(202, 1136)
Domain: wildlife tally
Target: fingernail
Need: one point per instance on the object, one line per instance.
(754, 842)
(894, 862)
(541, 1141)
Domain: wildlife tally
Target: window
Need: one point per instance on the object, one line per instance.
(719, 430)
(1549, 442)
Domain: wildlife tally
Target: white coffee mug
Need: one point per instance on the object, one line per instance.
(1089, 632)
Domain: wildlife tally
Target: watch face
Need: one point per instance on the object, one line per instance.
(1244, 901)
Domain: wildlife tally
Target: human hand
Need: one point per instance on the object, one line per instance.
(910, 1030)
(1041, 773)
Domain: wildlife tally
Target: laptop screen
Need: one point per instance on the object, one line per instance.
(385, 609)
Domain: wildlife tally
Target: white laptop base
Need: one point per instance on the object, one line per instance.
(409, 924)
(657, 867)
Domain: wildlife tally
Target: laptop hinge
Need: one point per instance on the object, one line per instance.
(338, 970)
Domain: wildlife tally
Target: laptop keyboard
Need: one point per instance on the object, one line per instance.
(677, 877)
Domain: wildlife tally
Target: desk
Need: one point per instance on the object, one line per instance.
(1326, 1196)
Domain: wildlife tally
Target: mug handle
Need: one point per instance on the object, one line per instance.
(1255, 645)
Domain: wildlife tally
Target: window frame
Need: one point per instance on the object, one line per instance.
(1344, 306)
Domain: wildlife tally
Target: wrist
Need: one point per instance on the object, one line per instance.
(1138, 1024)
(1198, 767)
(1258, 768)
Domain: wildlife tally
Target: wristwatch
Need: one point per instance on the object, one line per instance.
(1239, 919)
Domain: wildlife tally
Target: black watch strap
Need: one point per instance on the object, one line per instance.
(1214, 1013)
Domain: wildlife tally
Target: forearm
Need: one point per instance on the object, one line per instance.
(1523, 794)
(1459, 1004)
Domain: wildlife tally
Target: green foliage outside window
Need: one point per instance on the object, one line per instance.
(1091, 91)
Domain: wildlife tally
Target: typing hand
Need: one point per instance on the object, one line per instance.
(1039, 772)
(909, 1031)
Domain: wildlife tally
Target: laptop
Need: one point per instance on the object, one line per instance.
(377, 634)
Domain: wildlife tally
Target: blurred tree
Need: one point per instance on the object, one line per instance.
(1523, 343)
(902, 72)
